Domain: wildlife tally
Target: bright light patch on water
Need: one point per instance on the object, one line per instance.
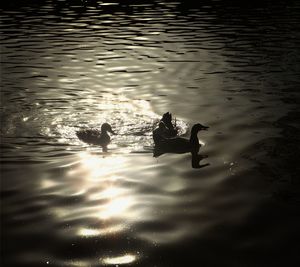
(88, 232)
(75, 263)
(47, 183)
(99, 179)
(201, 143)
(119, 260)
(109, 193)
(98, 166)
(116, 208)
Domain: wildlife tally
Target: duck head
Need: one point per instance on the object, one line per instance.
(106, 128)
(167, 118)
(198, 127)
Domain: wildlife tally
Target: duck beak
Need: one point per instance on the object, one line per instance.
(204, 127)
(111, 131)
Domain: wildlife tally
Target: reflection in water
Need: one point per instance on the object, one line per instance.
(97, 166)
(86, 232)
(116, 207)
(101, 177)
(119, 260)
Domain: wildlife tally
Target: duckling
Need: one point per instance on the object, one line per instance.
(95, 137)
(179, 144)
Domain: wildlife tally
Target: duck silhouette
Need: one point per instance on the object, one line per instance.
(179, 145)
(160, 133)
(96, 137)
(170, 129)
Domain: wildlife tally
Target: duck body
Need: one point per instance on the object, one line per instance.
(96, 137)
(177, 145)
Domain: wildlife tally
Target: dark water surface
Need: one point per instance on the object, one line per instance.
(67, 65)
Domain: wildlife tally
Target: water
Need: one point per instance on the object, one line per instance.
(68, 65)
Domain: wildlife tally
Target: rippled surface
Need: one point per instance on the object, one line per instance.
(68, 65)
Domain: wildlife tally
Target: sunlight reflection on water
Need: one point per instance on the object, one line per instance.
(119, 260)
(86, 232)
(98, 179)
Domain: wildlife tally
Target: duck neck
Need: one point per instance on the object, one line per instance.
(194, 143)
(194, 138)
(104, 132)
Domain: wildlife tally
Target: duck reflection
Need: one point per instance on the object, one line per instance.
(166, 142)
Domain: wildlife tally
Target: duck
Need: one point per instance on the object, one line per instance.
(96, 137)
(160, 133)
(170, 129)
(165, 128)
(177, 144)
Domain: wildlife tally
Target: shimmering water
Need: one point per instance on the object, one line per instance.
(68, 65)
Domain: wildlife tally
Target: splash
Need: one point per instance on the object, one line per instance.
(132, 120)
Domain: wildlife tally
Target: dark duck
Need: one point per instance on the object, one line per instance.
(177, 144)
(96, 137)
(165, 128)
(170, 129)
